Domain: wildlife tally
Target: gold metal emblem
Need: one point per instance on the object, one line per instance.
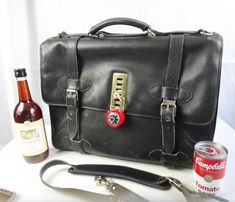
(119, 88)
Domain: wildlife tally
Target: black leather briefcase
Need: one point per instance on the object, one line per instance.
(146, 97)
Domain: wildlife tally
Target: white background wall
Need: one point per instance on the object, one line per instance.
(26, 23)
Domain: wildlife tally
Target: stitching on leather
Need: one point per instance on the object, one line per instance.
(60, 80)
(68, 144)
(64, 78)
(150, 91)
(161, 152)
(180, 101)
(88, 86)
(190, 97)
(87, 143)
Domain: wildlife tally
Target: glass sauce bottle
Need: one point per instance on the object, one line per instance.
(29, 122)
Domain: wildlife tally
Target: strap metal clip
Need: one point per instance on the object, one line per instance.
(151, 31)
(178, 184)
(121, 193)
(168, 104)
(102, 181)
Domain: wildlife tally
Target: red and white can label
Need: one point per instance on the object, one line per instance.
(208, 170)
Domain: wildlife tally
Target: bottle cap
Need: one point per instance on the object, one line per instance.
(20, 72)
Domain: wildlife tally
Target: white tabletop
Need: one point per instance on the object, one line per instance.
(23, 178)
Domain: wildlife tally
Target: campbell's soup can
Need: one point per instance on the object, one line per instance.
(209, 167)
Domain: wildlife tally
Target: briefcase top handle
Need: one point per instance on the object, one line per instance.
(121, 21)
(141, 25)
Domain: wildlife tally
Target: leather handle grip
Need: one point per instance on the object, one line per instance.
(119, 21)
(122, 172)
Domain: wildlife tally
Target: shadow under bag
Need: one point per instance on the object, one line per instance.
(146, 97)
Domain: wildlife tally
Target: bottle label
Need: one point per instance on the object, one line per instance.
(32, 137)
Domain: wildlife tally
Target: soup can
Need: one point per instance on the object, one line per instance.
(209, 166)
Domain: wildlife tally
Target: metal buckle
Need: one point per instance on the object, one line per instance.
(102, 181)
(71, 97)
(205, 32)
(151, 31)
(168, 103)
(175, 182)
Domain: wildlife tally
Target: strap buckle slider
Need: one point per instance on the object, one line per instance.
(168, 104)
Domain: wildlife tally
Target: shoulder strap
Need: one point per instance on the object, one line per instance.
(119, 192)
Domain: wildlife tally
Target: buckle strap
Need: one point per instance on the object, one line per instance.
(72, 121)
(170, 92)
(168, 113)
(71, 102)
(72, 95)
(168, 104)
